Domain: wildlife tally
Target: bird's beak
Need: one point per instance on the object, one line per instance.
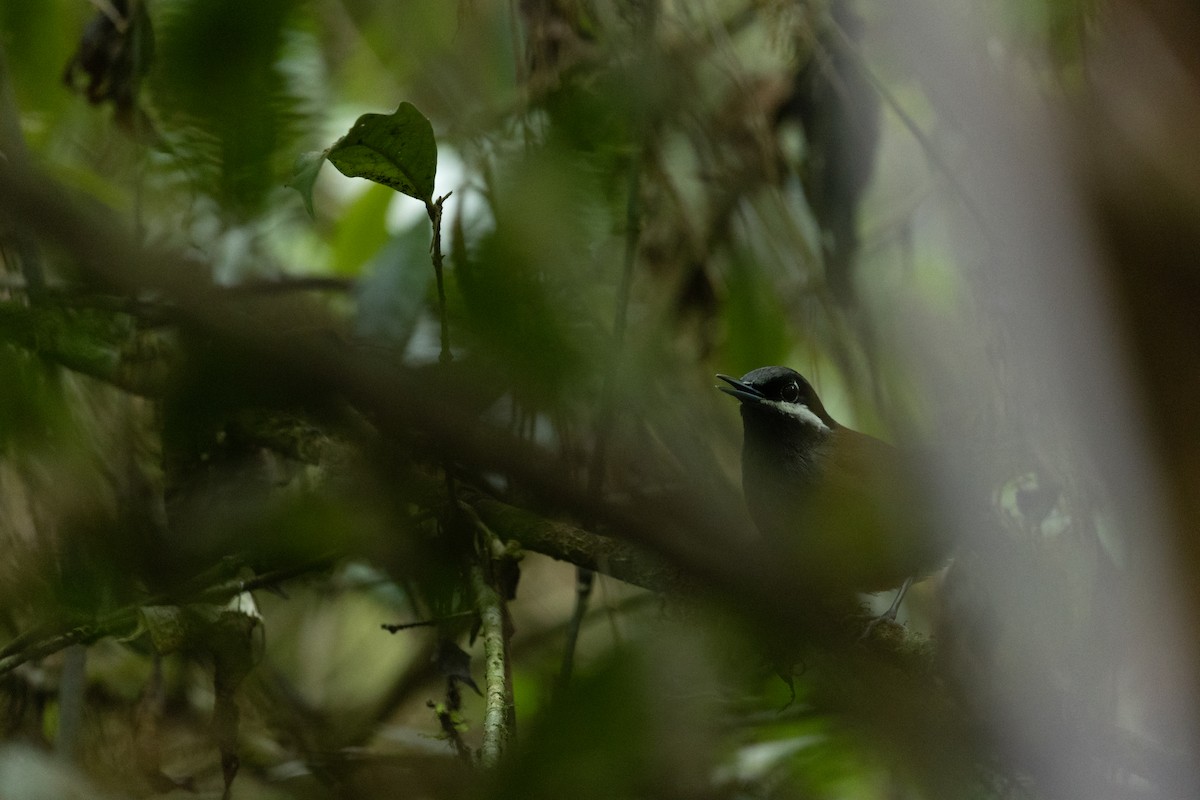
(742, 391)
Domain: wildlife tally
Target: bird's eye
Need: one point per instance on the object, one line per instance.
(790, 393)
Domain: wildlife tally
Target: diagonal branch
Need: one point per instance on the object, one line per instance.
(290, 337)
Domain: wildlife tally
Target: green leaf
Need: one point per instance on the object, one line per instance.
(304, 176)
(33, 411)
(397, 150)
(361, 230)
(232, 115)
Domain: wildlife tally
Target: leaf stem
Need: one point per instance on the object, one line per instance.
(434, 209)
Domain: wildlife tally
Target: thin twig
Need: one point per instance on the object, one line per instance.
(496, 717)
(123, 619)
(423, 623)
(434, 210)
(499, 721)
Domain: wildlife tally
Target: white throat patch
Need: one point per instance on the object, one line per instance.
(798, 411)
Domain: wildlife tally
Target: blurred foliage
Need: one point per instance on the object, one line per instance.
(221, 89)
(33, 410)
(339, 403)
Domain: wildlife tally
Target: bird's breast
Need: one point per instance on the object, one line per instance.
(836, 504)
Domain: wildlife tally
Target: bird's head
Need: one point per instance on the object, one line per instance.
(780, 398)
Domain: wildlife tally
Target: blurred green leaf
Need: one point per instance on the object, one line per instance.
(605, 717)
(229, 115)
(304, 177)
(396, 150)
(361, 231)
(32, 404)
(38, 39)
(520, 317)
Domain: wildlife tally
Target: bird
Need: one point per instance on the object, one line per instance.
(839, 501)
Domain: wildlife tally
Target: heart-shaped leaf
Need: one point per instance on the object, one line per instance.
(397, 150)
